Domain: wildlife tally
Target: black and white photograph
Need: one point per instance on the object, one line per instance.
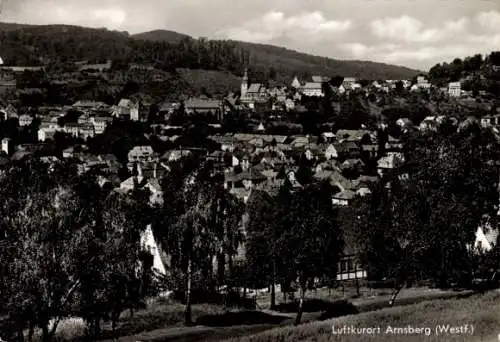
(249, 170)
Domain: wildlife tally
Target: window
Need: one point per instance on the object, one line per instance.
(350, 265)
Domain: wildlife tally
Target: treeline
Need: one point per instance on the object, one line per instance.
(476, 72)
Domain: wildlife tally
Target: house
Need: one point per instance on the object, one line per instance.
(204, 106)
(295, 83)
(149, 244)
(9, 112)
(486, 239)
(176, 155)
(45, 133)
(431, 123)
(331, 152)
(404, 123)
(72, 129)
(6, 146)
(343, 198)
(25, 120)
(156, 192)
(100, 123)
(84, 119)
(389, 163)
(89, 105)
(490, 120)
(313, 89)
(348, 267)
(454, 89)
(351, 135)
(422, 80)
(141, 154)
(349, 82)
(289, 104)
(128, 108)
(100, 67)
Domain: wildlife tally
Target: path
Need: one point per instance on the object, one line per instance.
(204, 333)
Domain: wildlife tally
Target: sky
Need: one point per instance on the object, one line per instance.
(413, 33)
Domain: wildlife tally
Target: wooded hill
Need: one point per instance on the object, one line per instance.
(34, 45)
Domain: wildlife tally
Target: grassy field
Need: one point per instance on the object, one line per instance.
(482, 312)
(158, 314)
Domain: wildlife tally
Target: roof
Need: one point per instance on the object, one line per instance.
(346, 195)
(254, 88)
(251, 175)
(141, 149)
(202, 103)
(392, 160)
(491, 235)
(312, 86)
(126, 103)
(89, 104)
(351, 134)
(155, 184)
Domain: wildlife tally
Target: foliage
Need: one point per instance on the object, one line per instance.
(64, 247)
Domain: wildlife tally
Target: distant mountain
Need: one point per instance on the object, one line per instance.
(161, 36)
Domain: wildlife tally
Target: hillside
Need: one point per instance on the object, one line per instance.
(26, 44)
(283, 59)
(161, 36)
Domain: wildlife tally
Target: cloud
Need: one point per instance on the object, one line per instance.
(115, 16)
(489, 20)
(410, 30)
(275, 24)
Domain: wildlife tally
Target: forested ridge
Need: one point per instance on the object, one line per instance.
(23, 45)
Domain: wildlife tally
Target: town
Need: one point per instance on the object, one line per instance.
(325, 183)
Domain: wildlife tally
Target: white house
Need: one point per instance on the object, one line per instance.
(25, 120)
(454, 89)
(45, 133)
(149, 244)
(141, 153)
(128, 107)
(313, 89)
(331, 152)
(486, 239)
(6, 145)
(343, 198)
(295, 83)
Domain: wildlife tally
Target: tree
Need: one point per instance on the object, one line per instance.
(42, 223)
(112, 258)
(310, 243)
(191, 237)
(261, 243)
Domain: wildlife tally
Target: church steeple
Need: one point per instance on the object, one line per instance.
(244, 83)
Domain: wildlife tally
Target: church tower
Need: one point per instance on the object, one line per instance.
(244, 83)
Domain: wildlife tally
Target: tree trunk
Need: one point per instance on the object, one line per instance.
(113, 328)
(395, 294)
(97, 328)
(20, 335)
(273, 287)
(187, 313)
(45, 333)
(357, 283)
(31, 331)
(221, 265)
(301, 305)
